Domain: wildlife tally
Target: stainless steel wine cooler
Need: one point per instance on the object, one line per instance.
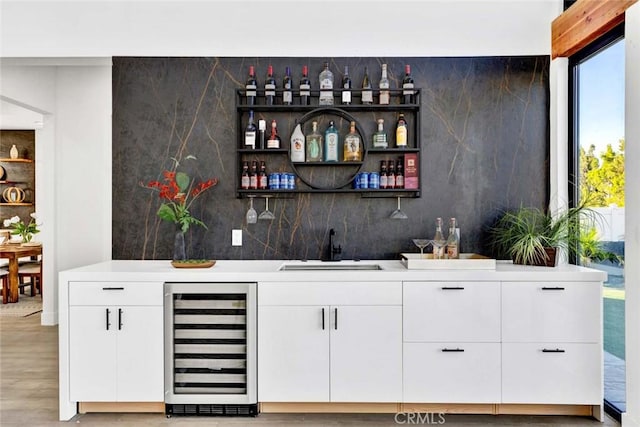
(210, 349)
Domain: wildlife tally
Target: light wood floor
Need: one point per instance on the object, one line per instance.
(29, 394)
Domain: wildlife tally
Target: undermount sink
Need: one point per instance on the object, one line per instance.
(328, 265)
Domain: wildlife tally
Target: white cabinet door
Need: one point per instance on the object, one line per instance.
(293, 354)
(140, 354)
(552, 373)
(451, 311)
(366, 354)
(92, 354)
(451, 372)
(551, 312)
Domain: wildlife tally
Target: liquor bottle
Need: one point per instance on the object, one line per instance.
(262, 131)
(305, 87)
(401, 132)
(367, 93)
(331, 143)
(400, 173)
(270, 87)
(380, 136)
(262, 176)
(314, 144)
(297, 145)
(326, 86)
(352, 145)
(253, 176)
(391, 175)
(407, 86)
(287, 85)
(383, 174)
(244, 178)
(251, 86)
(438, 240)
(453, 242)
(250, 133)
(346, 86)
(384, 86)
(274, 138)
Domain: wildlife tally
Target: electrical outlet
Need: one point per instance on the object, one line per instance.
(236, 237)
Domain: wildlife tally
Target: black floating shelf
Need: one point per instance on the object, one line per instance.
(263, 151)
(393, 150)
(368, 193)
(327, 163)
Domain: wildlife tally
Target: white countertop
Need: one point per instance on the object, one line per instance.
(268, 271)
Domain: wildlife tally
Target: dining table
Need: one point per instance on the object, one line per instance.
(13, 252)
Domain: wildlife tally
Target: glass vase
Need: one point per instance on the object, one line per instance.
(179, 253)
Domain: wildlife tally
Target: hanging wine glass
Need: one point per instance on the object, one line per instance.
(266, 215)
(252, 215)
(398, 214)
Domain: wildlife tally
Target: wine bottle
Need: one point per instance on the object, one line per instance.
(274, 138)
(314, 144)
(367, 93)
(391, 174)
(244, 178)
(326, 86)
(346, 86)
(401, 132)
(352, 146)
(262, 176)
(400, 173)
(270, 87)
(250, 133)
(380, 136)
(251, 86)
(305, 87)
(262, 134)
(253, 176)
(287, 85)
(383, 174)
(297, 145)
(453, 241)
(407, 86)
(331, 143)
(384, 86)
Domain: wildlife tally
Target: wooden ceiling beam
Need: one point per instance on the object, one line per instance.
(584, 22)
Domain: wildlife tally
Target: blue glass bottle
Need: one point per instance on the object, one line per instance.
(331, 143)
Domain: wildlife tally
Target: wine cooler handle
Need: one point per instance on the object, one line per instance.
(336, 311)
(323, 319)
(119, 319)
(108, 323)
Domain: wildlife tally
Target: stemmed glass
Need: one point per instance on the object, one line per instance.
(421, 243)
(266, 214)
(398, 214)
(252, 215)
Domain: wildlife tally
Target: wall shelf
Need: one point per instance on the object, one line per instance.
(16, 160)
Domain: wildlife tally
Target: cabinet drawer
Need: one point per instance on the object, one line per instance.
(551, 312)
(462, 373)
(115, 293)
(330, 293)
(552, 373)
(451, 311)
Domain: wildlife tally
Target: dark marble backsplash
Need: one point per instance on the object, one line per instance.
(485, 147)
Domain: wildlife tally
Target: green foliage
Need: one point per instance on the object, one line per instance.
(602, 180)
(591, 249)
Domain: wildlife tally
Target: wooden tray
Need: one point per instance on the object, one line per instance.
(183, 264)
(467, 261)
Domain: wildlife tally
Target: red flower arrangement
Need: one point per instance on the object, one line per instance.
(178, 193)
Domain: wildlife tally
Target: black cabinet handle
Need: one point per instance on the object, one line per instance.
(552, 350)
(323, 319)
(453, 288)
(453, 350)
(119, 319)
(336, 311)
(552, 288)
(108, 323)
(110, 288)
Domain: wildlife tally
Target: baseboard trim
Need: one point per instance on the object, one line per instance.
(154, 407)
(49, 318)
(629, 421)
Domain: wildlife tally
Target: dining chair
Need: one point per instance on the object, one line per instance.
(4, 278)
(32, 271)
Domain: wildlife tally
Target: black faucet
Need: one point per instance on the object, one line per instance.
(333, 251)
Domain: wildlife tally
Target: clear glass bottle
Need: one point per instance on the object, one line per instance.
(401, 132)
(287, 86)
(408, 94)
(346, 86)
(270, 87)
(326, 86)
(331, 143)
(250, 133)
(251, 86)
(453, 241)
(438, 241)
(314, 144)
(352, 145)
(274, 138)
(380, 136)
(384, 86)
(367, 93)
(305, 87)
(297, 145)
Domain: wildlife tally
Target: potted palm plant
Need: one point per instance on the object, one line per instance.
(532, 236)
